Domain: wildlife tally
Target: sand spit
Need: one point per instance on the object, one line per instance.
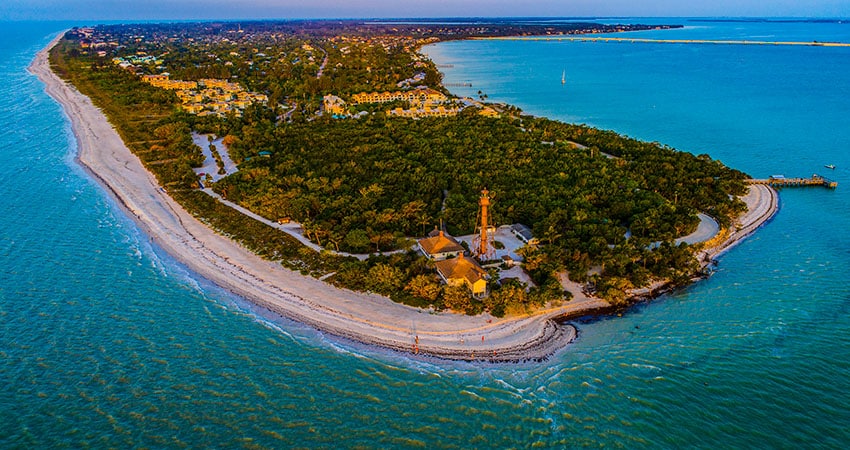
(366, 318)
(762, 204)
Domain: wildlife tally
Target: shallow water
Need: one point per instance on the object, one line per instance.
(108, 342)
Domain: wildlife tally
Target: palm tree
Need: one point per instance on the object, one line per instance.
(423, 219)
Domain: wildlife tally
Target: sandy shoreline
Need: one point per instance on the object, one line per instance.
(365, 318)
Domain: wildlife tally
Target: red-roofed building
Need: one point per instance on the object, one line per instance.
(440, 247)
(462, 271)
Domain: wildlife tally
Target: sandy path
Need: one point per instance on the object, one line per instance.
(707, 229)
(362, 317)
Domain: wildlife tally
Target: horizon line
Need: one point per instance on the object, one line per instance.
(436, 18)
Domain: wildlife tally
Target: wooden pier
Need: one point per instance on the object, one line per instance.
(782, 181)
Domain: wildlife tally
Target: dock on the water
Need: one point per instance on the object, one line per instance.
(782, 181)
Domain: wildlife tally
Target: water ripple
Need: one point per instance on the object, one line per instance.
(107, 342)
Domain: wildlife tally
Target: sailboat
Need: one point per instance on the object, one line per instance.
(564, 77)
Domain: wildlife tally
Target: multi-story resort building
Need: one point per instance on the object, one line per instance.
(208, 96)
(422, 95)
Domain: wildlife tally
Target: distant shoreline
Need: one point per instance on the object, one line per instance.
(365, 318)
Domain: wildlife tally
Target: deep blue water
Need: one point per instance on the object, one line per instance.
(107, 342)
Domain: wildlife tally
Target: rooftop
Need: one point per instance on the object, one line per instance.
(461, 268)
(441, 243)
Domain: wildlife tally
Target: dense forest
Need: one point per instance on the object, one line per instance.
(366, 185)
(596, 200)
(401, 176)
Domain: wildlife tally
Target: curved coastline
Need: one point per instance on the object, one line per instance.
(366, 318)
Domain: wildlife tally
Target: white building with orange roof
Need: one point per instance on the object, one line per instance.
(440, 247)
(463, 271)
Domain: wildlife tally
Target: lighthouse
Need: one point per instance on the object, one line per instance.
(483, 250)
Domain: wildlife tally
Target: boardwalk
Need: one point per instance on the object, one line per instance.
(781, 181)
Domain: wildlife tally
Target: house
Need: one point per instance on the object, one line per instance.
(334, 105)
(523, 233)
(428, 95)
(262, 98)
(440, 247)
(463, 271)
(193, 108)
(424, 112)
(488, 112)
(154, 78)
(241, 104)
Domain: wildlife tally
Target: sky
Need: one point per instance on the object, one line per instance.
(289, 9)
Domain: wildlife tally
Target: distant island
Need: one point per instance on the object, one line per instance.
(333, 150)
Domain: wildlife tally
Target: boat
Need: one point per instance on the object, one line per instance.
(830, 166)
(564, 77)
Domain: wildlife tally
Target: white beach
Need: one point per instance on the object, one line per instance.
(366, 318)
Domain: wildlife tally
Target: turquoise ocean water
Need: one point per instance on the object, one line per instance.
(107, 342)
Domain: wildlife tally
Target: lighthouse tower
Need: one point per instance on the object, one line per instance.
(483, 249)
